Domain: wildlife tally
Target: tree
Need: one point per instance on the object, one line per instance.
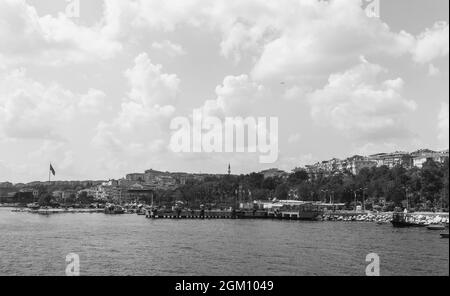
(432, 180)
(298, 176)
(282, 191)
(45, 199)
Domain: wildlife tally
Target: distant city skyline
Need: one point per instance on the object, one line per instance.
(416, 161)
(94, 94)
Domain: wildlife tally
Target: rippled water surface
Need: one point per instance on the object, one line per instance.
(132, 245)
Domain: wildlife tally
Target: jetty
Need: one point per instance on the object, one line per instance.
(58, 211)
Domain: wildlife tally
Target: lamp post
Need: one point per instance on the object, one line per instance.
(364, 198)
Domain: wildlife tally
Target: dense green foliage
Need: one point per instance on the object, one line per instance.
(425, 188)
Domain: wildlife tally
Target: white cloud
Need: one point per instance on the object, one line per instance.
(171, 49)
(432, 44)
(31, 110)
(320, 37)
(29, 38)
(237, 96)
(141, 126)
(443, 125)
(356, 103)
(149, 85)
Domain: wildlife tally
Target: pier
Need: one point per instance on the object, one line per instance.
(194, 214)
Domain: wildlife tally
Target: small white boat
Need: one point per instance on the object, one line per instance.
(34, 206)
(436, 227)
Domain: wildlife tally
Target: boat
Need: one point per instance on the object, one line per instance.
(436, 227)
(140, 210)
(34, 206)
(401, 220)
(444, 235)
(112, 209)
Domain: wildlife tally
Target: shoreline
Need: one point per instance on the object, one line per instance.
(424, 218)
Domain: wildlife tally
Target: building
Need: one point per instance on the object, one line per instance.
(391, 160)
(135, 177)
(422, 156)
(89, 192)
(139, 193)
(357, 164)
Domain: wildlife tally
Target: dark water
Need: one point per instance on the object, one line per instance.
(132, 245)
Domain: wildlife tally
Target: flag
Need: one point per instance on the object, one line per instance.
(52, 170)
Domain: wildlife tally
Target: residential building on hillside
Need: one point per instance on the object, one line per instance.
(391, 160)
(135, 177)
(422, 156)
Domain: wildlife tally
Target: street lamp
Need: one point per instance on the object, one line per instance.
(364, 198)
(364, 202)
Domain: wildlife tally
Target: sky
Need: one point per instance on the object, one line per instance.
(94, 91)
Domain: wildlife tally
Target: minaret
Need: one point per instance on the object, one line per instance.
(229, 169)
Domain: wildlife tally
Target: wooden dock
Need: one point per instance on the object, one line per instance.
(196, 214)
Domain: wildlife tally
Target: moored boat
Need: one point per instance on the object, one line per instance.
(436, 227)
(112, 209)
(444, 235)
(34, 206)
(401, 220)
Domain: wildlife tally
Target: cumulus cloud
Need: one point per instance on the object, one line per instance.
(432, 44)
(357, 103)
(281, 36)
(142, 123)
(237, 96)
(149, 85)
(30, 38)
(323, 37)
(32, 110)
